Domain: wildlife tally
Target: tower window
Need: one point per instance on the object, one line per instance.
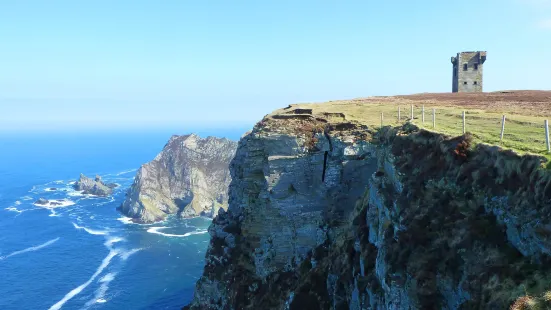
(476, 66)
(475, 82)
(464, 83)
(464, 67)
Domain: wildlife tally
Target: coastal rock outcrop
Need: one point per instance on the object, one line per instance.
(190, 177)
(328, 213)
(42, 201)
(94, 186)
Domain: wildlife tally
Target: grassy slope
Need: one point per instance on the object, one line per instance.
(525, 114)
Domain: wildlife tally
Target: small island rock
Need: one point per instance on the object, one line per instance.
(42, 201)
(94, 186)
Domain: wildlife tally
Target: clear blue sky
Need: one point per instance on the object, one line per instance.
(65, 64)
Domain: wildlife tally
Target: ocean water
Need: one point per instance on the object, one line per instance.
(83, 254)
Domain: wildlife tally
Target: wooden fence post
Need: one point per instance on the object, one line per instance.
(464, 125)
(412, 112)
(381, 119)
(423, 115)
(433, 118)
(398, 114)
(547, 136)
(502, 128)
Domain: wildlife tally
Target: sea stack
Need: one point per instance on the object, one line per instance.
(190, 177)
(94, 186)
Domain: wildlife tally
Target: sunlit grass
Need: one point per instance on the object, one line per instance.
(523, 133)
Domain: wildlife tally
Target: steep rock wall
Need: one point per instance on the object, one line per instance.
(189, 177)
(328, 214)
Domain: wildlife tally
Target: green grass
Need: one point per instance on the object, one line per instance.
(523, 133)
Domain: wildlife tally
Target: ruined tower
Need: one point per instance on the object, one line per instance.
(468, 71)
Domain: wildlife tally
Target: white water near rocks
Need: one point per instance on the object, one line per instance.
(143, 270)
(78, 217)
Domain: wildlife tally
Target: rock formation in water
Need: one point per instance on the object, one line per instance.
(94, 186)
(327, 213)
(41, 201)
(190, 177)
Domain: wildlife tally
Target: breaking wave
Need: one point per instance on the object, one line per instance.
(91, 231)
(56, 203)
(155, 230)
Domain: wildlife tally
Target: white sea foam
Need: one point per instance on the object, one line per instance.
(112, 240)
(17, 202)
(74, 193)
(50, 189)
(155, 230)
(58, 182)
(56, 203)
(126, 255)
(31, 249)
(13, 209)
(99, 296)
(111, 199)
(125, 220)
(79, 289)
(128, 220)
(90, 231)
(52, 213)
(108, 277)
(27, 198)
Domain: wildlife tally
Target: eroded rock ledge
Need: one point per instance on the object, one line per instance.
(326, 213)
(190, 177)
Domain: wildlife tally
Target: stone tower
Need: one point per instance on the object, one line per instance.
(467, 71)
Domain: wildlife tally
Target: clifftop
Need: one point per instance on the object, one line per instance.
(525, 112)
(327, 210)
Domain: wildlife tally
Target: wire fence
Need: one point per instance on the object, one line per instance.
(519, 132)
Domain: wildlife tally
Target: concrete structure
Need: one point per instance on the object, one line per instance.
(468, 71)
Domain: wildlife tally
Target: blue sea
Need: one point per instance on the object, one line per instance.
(84, 254)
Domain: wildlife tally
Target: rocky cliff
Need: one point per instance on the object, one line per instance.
(326, 212)
(190, 177)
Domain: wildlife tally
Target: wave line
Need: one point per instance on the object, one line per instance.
(90, 231)
(79, 289)
(31, 249)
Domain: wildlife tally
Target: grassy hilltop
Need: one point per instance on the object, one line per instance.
(525, 113)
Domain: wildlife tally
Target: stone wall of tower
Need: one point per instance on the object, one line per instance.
(454, 74)
(469, 78)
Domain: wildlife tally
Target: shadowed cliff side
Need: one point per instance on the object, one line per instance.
(190, 177)
(326, 213)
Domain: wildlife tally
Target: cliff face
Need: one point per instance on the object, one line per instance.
(325, 213)
(190, 177)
